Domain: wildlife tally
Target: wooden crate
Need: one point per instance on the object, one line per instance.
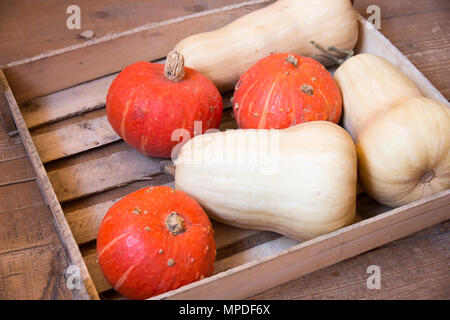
(56, 101)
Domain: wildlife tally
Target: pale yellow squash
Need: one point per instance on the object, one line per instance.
(300, 181)
(370, 85)
(404, 154)
(284, 26)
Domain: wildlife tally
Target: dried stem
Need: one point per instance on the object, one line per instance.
(348, 53)
(174, 68)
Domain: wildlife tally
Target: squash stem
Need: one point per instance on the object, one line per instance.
(348, 53)
(174, 68)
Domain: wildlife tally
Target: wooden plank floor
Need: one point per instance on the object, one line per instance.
(33, 261)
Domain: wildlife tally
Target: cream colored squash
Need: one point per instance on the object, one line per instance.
(404, 154)
(369, 85)
(299, 181)
(284, 26)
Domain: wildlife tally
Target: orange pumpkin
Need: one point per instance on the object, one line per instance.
(283, 90)
(155, 240)
(147, 102)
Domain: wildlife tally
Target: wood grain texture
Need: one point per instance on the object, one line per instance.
(6, 117)
(21, 277)
(15, 171)
(20, 196)
(415, 267)
(10, 147)
(92, 129)
(420, 29)
(27, 235)
(102, 174)
(87, 290)
(47, 73)
(46, 21)
(60, 143)
(18, 231)
(66, 103)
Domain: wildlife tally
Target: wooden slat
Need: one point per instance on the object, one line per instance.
(320, 252)
(18, 231)
(66, 103)
(102, 174)
(10, 147)
(15, 171)
(66, 138)
(20, 196)
(6, 117)
(88, 291)
(258, 252)
(96, 273)
(46, 21)
(47, 73)
(34, 273)
(74, 138)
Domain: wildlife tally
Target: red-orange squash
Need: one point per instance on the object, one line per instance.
(154, 240)
(285, 89)
(147, 102)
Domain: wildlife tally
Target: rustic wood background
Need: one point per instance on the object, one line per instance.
(32, 259)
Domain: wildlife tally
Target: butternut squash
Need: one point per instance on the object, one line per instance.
(299, 181)
(404, 154)
(284, 26)
(402, 138)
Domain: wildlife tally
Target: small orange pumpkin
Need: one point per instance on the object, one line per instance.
(154, 240)
(285, 89)
(147, 102)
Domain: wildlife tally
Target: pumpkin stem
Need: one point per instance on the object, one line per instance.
(348, 53)
(293, 60)
(174, 68)
(175, 223)
(427, 176)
